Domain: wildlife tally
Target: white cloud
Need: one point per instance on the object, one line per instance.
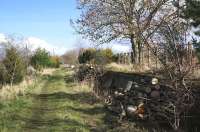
(121, 48)
(2, 38)
(118, 48)
(34, 43)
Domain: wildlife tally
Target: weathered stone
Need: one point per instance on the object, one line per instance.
(143, 89)
(107, 83)
(129, 86)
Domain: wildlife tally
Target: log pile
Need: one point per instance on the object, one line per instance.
(84, 72)
(137, 96)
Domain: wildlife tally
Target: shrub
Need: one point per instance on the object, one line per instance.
(40, 59)
(71, 57)
(14, 66)
(102, 56)
(100, 59)
(2, 74)
(115, 58)
(107, 53)
(86, 56)
(85, 73)
(54, 62)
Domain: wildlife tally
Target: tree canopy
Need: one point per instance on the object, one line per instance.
(136, 20)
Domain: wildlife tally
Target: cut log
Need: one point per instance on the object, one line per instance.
(118, 93)
(123, 113)
(155, 94)
(157, 87)
(114, 109)
(139, 94)
(141, 116)
(140, 97)
(140, 110)
(135, 85)
(143, 89)
(140, 101)
(131, 101)
(142, 80)
(108, 101)
(131, 109)
(154, 81)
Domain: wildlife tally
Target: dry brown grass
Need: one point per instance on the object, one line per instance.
(7, 92)
(48, 71)
(196, 74)
(127, 68)
(120, 67)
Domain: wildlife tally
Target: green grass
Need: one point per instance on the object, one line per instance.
(58, 104)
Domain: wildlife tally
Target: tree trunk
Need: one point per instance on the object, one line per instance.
(13, 74)
(139, 51)
(156, 58)
(134, 55)
(142, 52)
(148, 55)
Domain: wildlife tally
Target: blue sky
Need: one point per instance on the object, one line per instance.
(43, 19)
(45, 22)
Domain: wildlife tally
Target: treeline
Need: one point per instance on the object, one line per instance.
(96, 56)
(89, 55)
(15, 61)
(42, 59)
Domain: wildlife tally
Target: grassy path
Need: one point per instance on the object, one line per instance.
(56, 104)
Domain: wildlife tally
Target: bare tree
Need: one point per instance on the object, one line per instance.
(106, 20)
(152, 23)
(170, 45)
(71, 57)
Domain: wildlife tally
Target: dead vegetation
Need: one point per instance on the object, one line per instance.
(8, 92)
